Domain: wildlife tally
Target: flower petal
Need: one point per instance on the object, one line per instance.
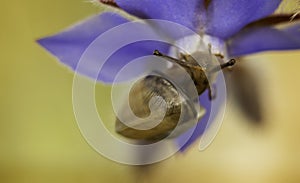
(125, 55)
(227, 17)
(70, 45)
(200, 127)
(264, 38)
(188, 13)
(208, 126)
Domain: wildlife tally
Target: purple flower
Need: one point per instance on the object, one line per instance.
(234, 28)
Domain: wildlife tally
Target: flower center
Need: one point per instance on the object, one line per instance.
(204, 43)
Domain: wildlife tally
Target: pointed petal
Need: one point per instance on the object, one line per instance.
(227, 17)
(188, 13)
(209, 125)
(70, 45)
(263, 39)
(200, 127)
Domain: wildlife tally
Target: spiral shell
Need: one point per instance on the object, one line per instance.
(174, 103)
(156, 90)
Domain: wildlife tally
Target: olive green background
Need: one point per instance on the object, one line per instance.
(40, 140)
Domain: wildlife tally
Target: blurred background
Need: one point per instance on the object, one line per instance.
(40, 140)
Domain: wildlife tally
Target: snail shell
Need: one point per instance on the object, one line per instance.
(156, 90)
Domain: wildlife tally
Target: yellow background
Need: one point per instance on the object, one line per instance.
(40, 140)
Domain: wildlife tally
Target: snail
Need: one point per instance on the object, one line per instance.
(156, 94)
